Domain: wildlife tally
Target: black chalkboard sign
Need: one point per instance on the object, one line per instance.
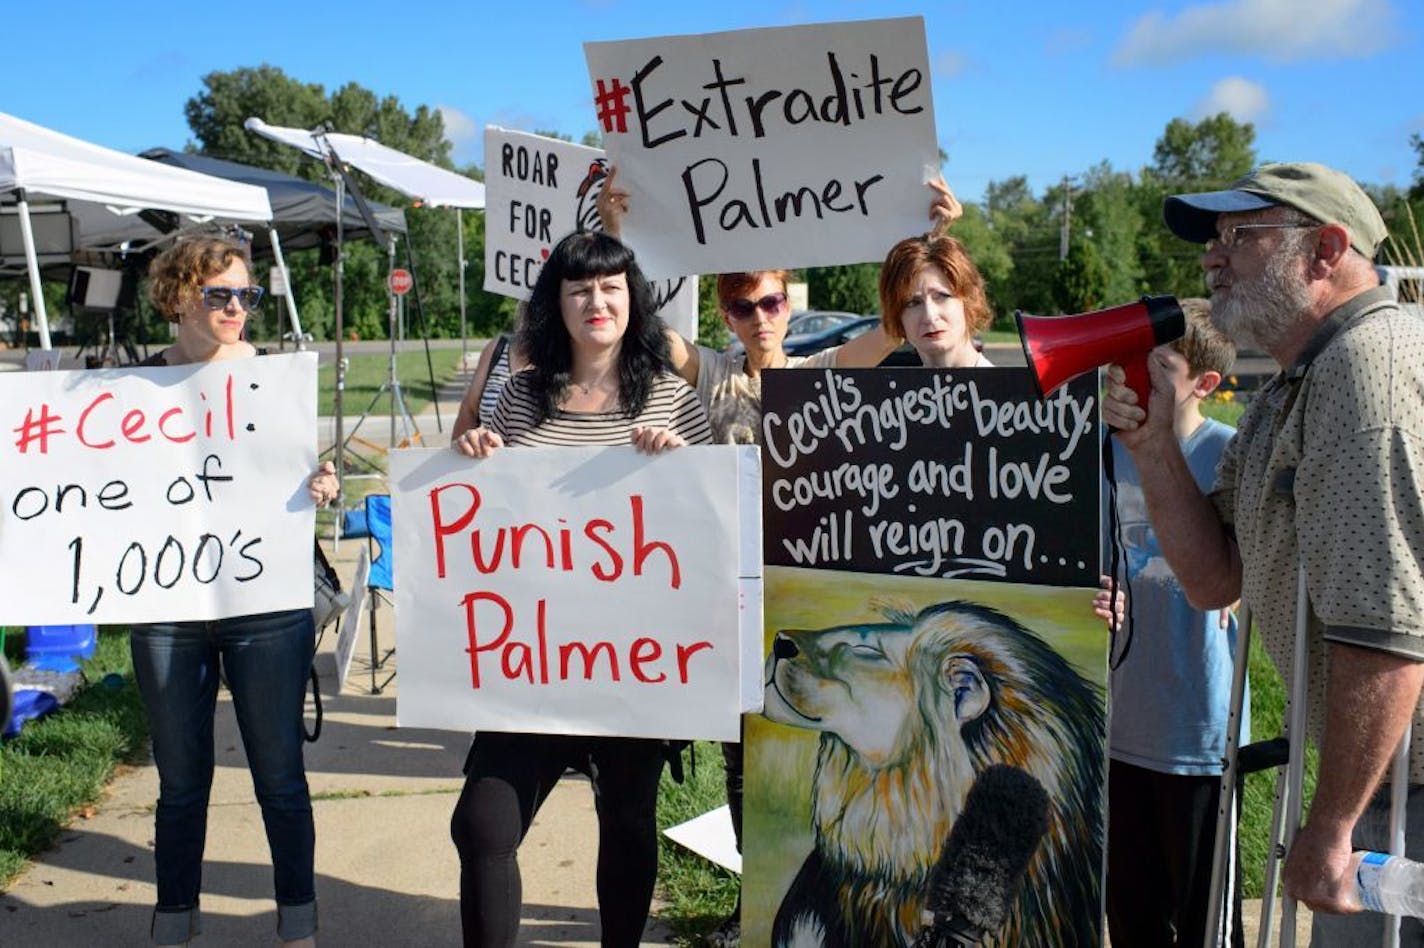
(958, 473)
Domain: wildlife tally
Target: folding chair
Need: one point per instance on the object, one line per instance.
(379, 583)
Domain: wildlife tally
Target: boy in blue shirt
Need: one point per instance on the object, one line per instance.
(1170, 689)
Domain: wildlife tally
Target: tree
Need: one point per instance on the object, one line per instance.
(1206, 156)
(216, 116)
(1080, 284)
(1030, 236)
(1107, 215)
(854, 288)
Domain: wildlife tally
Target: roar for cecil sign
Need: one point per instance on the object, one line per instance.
(791, 147)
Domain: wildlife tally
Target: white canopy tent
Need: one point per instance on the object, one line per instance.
(100, 186)
(430, 184)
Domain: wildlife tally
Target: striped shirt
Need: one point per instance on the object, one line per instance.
(495, 381)
(672, 404)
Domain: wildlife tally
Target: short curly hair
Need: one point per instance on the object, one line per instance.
(911, 255)
(175, 275)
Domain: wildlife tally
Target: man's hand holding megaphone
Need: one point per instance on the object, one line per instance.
(1140, 426)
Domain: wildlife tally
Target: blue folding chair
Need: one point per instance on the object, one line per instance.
(380, 582)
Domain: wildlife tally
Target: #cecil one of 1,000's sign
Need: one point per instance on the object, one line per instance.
(157, 494)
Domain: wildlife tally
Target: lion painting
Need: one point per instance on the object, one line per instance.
(910, 711)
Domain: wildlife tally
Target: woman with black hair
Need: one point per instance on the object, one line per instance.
(598, 375)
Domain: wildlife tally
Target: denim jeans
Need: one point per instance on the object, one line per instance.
(266, 659)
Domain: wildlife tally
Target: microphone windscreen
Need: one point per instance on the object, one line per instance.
(977, 877)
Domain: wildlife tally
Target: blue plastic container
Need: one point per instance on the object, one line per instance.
(59, 647)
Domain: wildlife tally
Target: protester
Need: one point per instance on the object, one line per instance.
(1171, 685)
(1324, 474)
(755, 308)
(497, 363)
(204, 286)
(598, 376)
(932, 295)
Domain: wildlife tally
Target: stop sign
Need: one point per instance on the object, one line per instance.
(400, 281)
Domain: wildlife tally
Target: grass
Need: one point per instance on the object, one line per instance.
(60, 764)
(698, 893)
(367, 371)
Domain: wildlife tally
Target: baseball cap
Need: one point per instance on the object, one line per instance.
(1321, 193)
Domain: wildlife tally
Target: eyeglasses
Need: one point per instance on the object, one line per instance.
(248, 297)
(1231, 235)
(743, 309)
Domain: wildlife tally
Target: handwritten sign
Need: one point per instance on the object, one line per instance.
(921, 472)
(538, 189)
(568, 591)
(790, 147)
(167, 493)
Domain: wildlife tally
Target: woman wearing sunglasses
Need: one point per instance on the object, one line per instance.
(204, 286)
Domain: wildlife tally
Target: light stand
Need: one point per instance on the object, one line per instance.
(391, 386)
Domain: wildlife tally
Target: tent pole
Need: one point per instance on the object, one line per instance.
(339, 265)
(424, 329)
(289, 296)
(460, 251)
(32, 263)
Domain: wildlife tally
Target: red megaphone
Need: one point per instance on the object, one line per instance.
(1061, 348)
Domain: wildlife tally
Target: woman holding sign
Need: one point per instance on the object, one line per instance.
(598, 375)
(204, 286)
(932, 295)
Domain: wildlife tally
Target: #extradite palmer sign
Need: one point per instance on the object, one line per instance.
(157, 494)
(789, 147)
(568, 591)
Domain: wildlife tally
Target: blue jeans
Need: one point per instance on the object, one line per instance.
(266, 659)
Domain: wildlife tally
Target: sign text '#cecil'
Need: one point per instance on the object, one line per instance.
(505, 640)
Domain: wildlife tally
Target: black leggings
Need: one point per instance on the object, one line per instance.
(507, 779)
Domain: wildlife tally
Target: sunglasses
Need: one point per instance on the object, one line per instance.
(744, 309)
(248, 297)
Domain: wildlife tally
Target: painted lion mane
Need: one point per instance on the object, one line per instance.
(910, 712)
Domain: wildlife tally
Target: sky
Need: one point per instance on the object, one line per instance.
(1043, 88)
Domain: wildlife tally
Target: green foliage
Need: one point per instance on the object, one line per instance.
(216, 117)
(1082, 280)
(851, 289)
(698, 894)
(62, 762)
(711, 327)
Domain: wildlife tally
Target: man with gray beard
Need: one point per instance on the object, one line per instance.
(1326, 472)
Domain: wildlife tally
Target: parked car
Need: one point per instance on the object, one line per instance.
(804, 323)
(808, 343)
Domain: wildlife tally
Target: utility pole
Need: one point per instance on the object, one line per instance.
(1067, 217)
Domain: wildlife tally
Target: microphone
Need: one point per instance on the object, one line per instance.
(978, 874)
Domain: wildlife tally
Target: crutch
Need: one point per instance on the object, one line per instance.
(1285, 817)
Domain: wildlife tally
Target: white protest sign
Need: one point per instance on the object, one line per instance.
(539, 189)
(157, 494)
(568, 591)
(790, 147)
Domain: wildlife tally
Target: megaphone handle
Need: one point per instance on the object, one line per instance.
(1138, 380)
